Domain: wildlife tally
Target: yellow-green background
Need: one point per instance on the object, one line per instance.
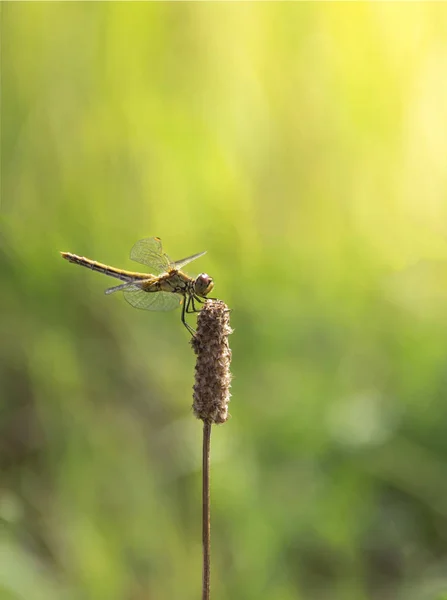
(304, 146)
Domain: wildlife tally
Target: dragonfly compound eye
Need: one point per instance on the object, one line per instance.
(203, 284)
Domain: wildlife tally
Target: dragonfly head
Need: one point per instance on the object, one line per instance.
(203, 285)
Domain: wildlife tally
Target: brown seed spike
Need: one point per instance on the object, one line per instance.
(213, 377)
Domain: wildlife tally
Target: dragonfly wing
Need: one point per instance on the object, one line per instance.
(116, 288)
(130, 285)
(149, 252)
(179, 264)
(160, 301)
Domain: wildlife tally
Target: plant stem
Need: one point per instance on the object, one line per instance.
(206, 509)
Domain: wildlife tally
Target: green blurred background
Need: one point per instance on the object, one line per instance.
(304, 146)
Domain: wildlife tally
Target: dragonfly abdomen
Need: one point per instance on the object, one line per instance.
(121, 274)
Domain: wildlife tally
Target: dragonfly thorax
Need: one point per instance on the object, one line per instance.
(203, 285)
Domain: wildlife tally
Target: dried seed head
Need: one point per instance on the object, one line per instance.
(213, 377)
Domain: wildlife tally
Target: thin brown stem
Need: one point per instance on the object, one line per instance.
(206, 540)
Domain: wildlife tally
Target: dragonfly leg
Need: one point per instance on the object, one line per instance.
(199, 300)
(192, 298)
(191, 302)
(185, 306)
(188, 304)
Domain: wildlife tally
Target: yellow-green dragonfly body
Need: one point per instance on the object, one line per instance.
(165, 289)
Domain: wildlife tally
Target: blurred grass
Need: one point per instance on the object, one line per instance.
(302, 145)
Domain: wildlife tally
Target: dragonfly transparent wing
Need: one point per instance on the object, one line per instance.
(122, 286)
(149, 252)
(179, 264)
(160, 301)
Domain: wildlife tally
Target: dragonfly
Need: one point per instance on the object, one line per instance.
(167, 287)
